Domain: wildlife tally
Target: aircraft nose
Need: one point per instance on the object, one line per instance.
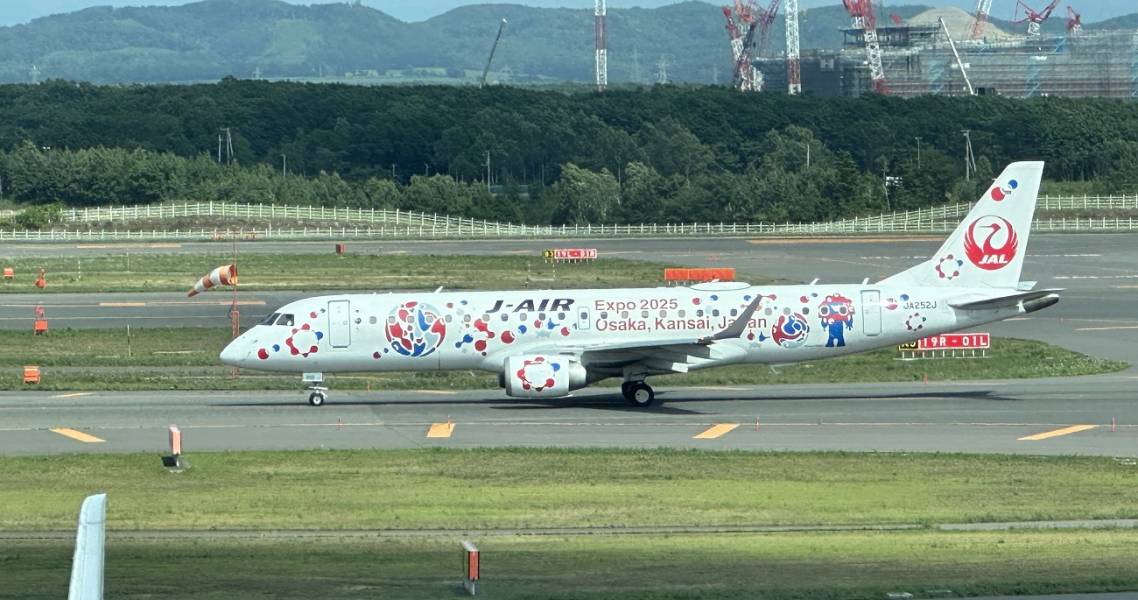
(235, 353)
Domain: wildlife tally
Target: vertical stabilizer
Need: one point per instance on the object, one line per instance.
(987, 249)
(87, 564)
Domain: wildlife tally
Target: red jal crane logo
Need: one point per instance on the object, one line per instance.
(987, 254)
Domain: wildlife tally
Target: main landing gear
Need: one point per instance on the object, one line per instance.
(638, 393)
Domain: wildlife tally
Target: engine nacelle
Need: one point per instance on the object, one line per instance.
(542, 376)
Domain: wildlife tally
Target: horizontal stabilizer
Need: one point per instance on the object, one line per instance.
(1010, 300)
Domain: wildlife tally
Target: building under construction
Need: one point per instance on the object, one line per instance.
(918, 60)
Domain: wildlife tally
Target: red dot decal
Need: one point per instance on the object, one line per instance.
(564, 331)
(262, 354)
(375, 355)
(480, 345)
(312, 315)
(695, 301)
(507, 336)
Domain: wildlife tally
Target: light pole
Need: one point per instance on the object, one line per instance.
(918, 138)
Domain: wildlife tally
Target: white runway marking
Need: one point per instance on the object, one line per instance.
(1077, 277)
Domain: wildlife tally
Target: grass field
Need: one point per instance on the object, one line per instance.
(186, 358)
(523, 488)
(464, 489)
(259, 271)
(821, 566)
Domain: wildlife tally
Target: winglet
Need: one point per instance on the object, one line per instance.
(738, 326)
(90, 539)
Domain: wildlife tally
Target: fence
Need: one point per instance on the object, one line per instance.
(399, 224)
(1127, 224)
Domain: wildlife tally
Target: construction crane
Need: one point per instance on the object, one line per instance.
(600, 11)
(793, 68)
(497, 38)
(983, 8)
(1033, 17)
(1074, 22)
(763, 22)
(745, 77)
(863, 18)
(955, 54)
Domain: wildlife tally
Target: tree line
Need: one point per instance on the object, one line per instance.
(663, 154)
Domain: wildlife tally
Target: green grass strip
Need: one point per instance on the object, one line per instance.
(540, 488)
(822, 566)
(258, 271)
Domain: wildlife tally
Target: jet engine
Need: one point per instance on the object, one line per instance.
(542, 376)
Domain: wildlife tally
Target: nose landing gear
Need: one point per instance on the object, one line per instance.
(316, 385)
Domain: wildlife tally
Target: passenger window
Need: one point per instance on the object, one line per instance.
(734, 312)
(541, 316)
(643, 314)
(715, 313)
(604, 314)
(624, 314)
(269, 319)
(372, 320)
(525, 316)
(683, 313)
(560, 316)
(449, 319)
(285, 319)
(505, 317)
(663, 313)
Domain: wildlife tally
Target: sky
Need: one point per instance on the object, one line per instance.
(13, 12)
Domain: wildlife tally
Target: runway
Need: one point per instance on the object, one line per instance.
(1085, 416)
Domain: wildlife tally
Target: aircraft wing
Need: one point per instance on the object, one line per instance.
(87, 564)
(667, 355)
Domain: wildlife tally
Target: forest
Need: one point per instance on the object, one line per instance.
(660, 154)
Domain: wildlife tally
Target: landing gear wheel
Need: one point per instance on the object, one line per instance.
(638, 393)
(317, 398)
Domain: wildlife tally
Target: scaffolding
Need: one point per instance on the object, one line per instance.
(918, 61)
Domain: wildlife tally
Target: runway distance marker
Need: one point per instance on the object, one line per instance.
(716, 431)
(1056, 433)
(440, 430)
(78, 436)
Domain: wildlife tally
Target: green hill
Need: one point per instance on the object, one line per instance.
(212, 39)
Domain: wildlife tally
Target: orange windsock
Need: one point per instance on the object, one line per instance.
(223, 275)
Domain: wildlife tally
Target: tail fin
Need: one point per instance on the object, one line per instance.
(90, 537)
(987, 249)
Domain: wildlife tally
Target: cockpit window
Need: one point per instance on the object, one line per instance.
(286, 319)
(269, 319)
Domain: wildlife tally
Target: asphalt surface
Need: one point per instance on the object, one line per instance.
(1095, 416)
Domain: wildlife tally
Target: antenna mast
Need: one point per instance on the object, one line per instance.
(599, 10)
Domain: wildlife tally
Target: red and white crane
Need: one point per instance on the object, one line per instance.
(983, 8)
(793, 69)
(1074, 21)
(863, 18)
(1033, 17)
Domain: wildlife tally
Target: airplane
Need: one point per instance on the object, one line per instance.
(546, 344)
(90, 540)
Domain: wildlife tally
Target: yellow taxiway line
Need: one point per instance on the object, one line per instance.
(440, 430)
(716, 431)
(73, 395)
(78, 435)
(1056, 433)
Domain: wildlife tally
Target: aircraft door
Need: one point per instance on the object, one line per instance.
(583, 318)
(339, 323)
(871, 312)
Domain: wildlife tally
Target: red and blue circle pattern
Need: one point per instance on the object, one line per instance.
(415, 329)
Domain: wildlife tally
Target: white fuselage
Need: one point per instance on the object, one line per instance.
(409, 331)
